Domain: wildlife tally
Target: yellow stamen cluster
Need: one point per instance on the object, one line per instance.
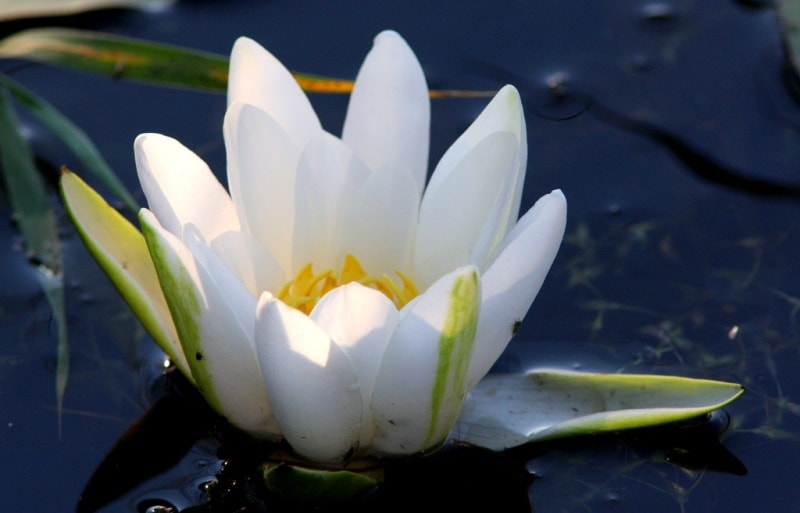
(305, 290)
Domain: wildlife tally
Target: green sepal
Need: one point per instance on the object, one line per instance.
(316, 486)
(120, 250)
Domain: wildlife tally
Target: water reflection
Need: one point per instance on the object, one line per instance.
(220, 467)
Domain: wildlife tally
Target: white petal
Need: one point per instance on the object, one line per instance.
(423, 375)
(361, 321)
(249, 261)
(215, 317)
(262, 163)
(511, 283)
(503, 114)
(311, 382)
(328, 176)
(180, 188)
(494, 227)
(454, 215)
(388, 117)
(258, 78)
(380, 224)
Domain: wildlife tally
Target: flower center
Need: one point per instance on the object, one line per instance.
(304, 291)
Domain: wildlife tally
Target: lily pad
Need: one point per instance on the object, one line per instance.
(507, 410)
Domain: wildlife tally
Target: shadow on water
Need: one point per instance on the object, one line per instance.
(456, 476)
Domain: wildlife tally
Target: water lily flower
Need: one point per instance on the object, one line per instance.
(329, 296)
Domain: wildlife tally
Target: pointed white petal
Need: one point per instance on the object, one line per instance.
(249, 261)
(380, 224)
(422, 378)
(258, 78)
(454, 215)
(388, 117)
(328, 176)
(180, 188)
(262, 162)
(361, 321)
(215, 318)
(511, 283)
(311, 382)
(494, 227)
(503, 114)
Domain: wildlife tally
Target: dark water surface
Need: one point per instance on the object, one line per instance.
(673, 133)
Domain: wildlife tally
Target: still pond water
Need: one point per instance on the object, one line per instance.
(672, 129)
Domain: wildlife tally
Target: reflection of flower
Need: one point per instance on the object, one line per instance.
(327, 299)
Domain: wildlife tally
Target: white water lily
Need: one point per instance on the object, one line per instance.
(329, 296)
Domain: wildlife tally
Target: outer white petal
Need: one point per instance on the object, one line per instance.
(215, 317)
(389, 113)
(258, 78)
(423, 375)
(180, 188)
(380, 224)
(454, 215)
(361, 321)
(511, 283)
(328, 176)
(262, 162)
(311, 382)
(255, 267)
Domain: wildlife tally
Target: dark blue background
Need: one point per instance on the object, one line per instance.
(658, 265)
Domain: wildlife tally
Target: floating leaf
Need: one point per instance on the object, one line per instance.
(507, 410)
(28, 199)
(15, 9)
(167, 65)
(73, 138)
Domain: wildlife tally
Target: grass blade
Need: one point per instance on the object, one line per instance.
(167, 65)
(73, 138)
(27, 196)
(15, 9)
